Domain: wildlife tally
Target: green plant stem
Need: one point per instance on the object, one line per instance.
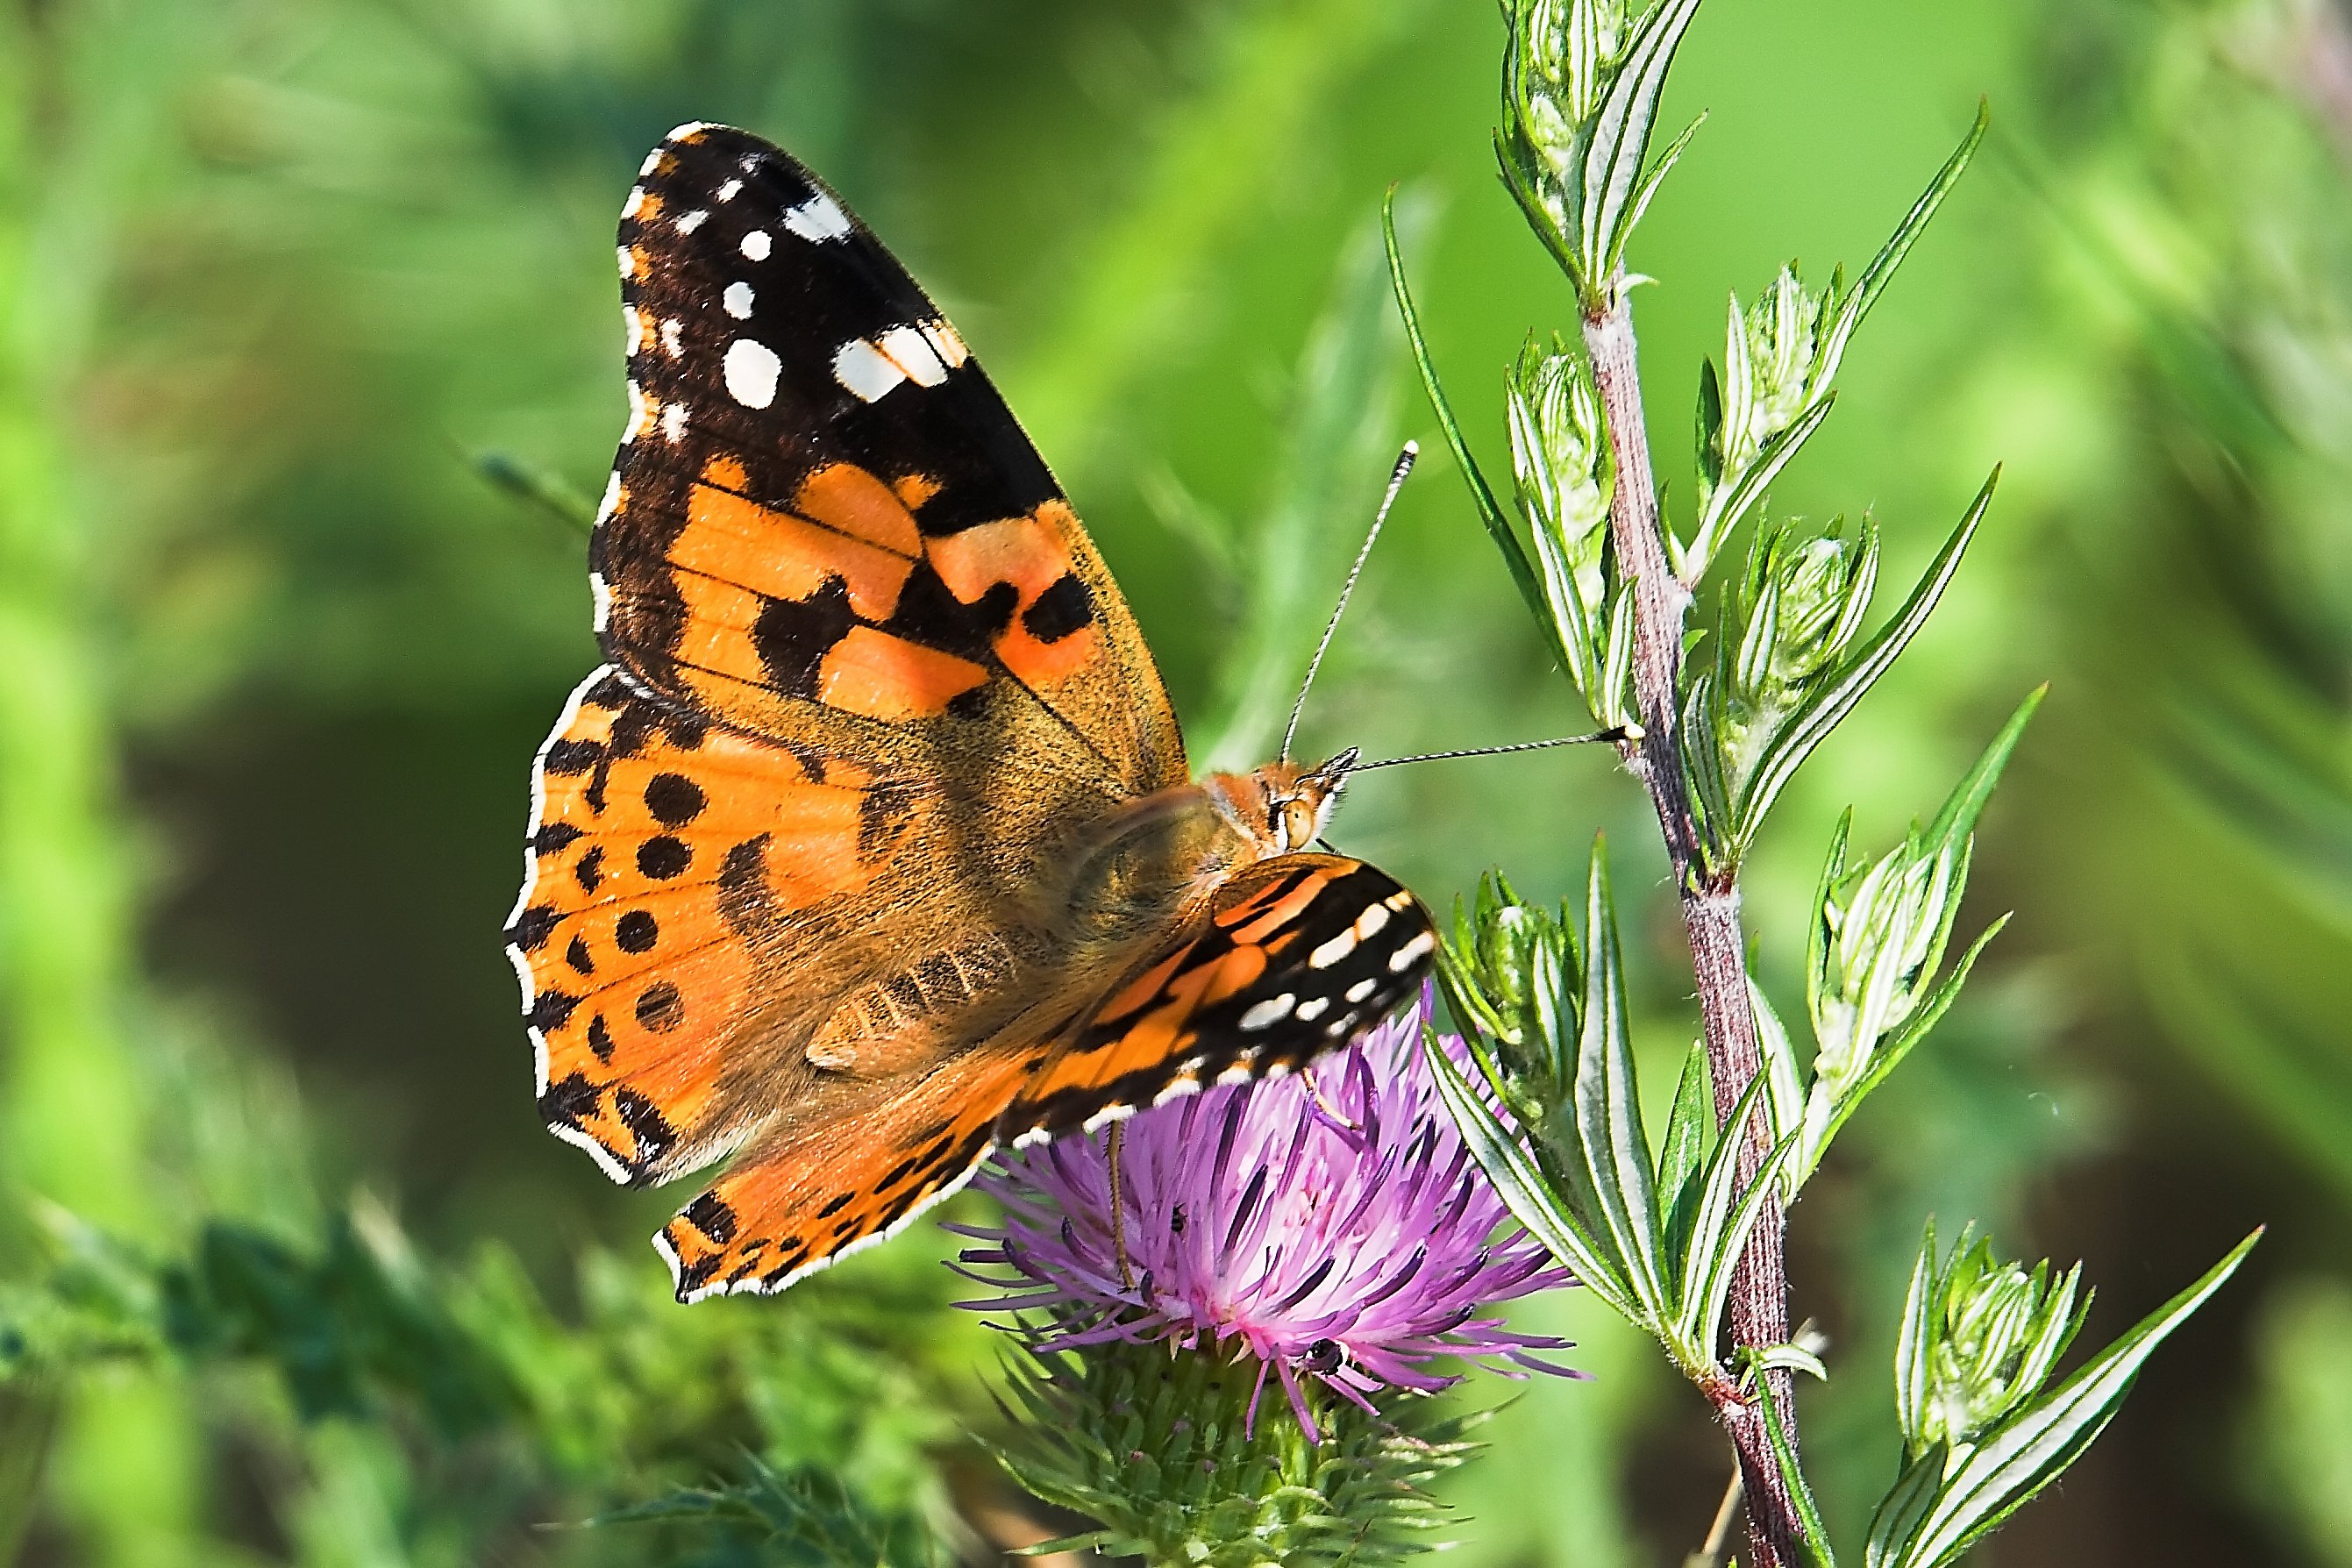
(1710, 904)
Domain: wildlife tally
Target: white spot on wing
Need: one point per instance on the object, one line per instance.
(628, 262)
(911, 351)
(751, 368)
(1332, 952)
(1369, 923)
(1404, 957)
(636, 325)
(820, 218)
(693, 221)
(672, 422)
(670, 345)
(602, 594)
(727, 192)
(636, 200)
(866, 369)
(1313, 1008)
(610, 503)
(1361, 989)
(640, 413)
(687, 132)
(652, 161)
(736, 300)
(1270, 1011)
(756, 244)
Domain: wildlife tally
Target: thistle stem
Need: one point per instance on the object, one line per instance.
(1710, 904)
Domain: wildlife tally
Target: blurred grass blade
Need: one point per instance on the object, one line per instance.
(1336, 447)
(537, 487)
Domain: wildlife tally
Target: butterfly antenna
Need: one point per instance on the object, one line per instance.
(1616, 733)
(1396, 482)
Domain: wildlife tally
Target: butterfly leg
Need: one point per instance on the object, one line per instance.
(1119, 1207)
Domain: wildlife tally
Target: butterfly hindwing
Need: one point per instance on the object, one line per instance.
(1298, 954)
(823, 514)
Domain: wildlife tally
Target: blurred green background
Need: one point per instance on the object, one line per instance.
(289, 1271)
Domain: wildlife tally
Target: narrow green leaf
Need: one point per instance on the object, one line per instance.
(1958, 819)
(1490, 510)
(1817, 941)
(1652, 179)
(1718, 1191)
(1707, 437)
(1915, 1342)
(1815, 1534)
(1620, 136)
(1789, 1357)
(2034, 1447)
(1784, 1080)
(1523, 1189)
(1728, 506)
(1896, 1521)
(1829, 703)
(1608, 1095)
(1763, 1193)
(1683, 1152)
(1881, 270)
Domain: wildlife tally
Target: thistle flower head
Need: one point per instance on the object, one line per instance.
(1332, 1226)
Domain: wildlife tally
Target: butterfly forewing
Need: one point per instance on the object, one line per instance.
(823, 515)
(834, 867)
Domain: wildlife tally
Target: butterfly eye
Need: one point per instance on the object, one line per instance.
(1297, 823)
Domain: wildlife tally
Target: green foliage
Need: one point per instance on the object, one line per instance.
(1191, 1457)
(1562, 1136)
(465, 1388)
(807, 1519)
(1985, 1334)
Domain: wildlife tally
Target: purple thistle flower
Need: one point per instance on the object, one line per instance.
(1340, 1230)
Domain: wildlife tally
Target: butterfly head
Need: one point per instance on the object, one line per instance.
(1283, 806)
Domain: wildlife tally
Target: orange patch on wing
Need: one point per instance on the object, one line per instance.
(845, 496)
(726, 470)
(718, 636)
(785, 556)
(1271, 918)
(1028, 553)
(883, 676)
(1143, 988)
(914, 490)
(637, 266)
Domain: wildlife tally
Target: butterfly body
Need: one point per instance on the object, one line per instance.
(873, 846)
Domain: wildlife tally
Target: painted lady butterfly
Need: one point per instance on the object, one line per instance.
(873, 846)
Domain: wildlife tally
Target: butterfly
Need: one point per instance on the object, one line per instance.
(872, 847)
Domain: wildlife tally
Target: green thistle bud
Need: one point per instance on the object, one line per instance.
(1789, 620)
(1182, 1458)
(1885, 935)
(1781, 358)
(1980, 1338)
(1560, 458)
(1503, 971)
